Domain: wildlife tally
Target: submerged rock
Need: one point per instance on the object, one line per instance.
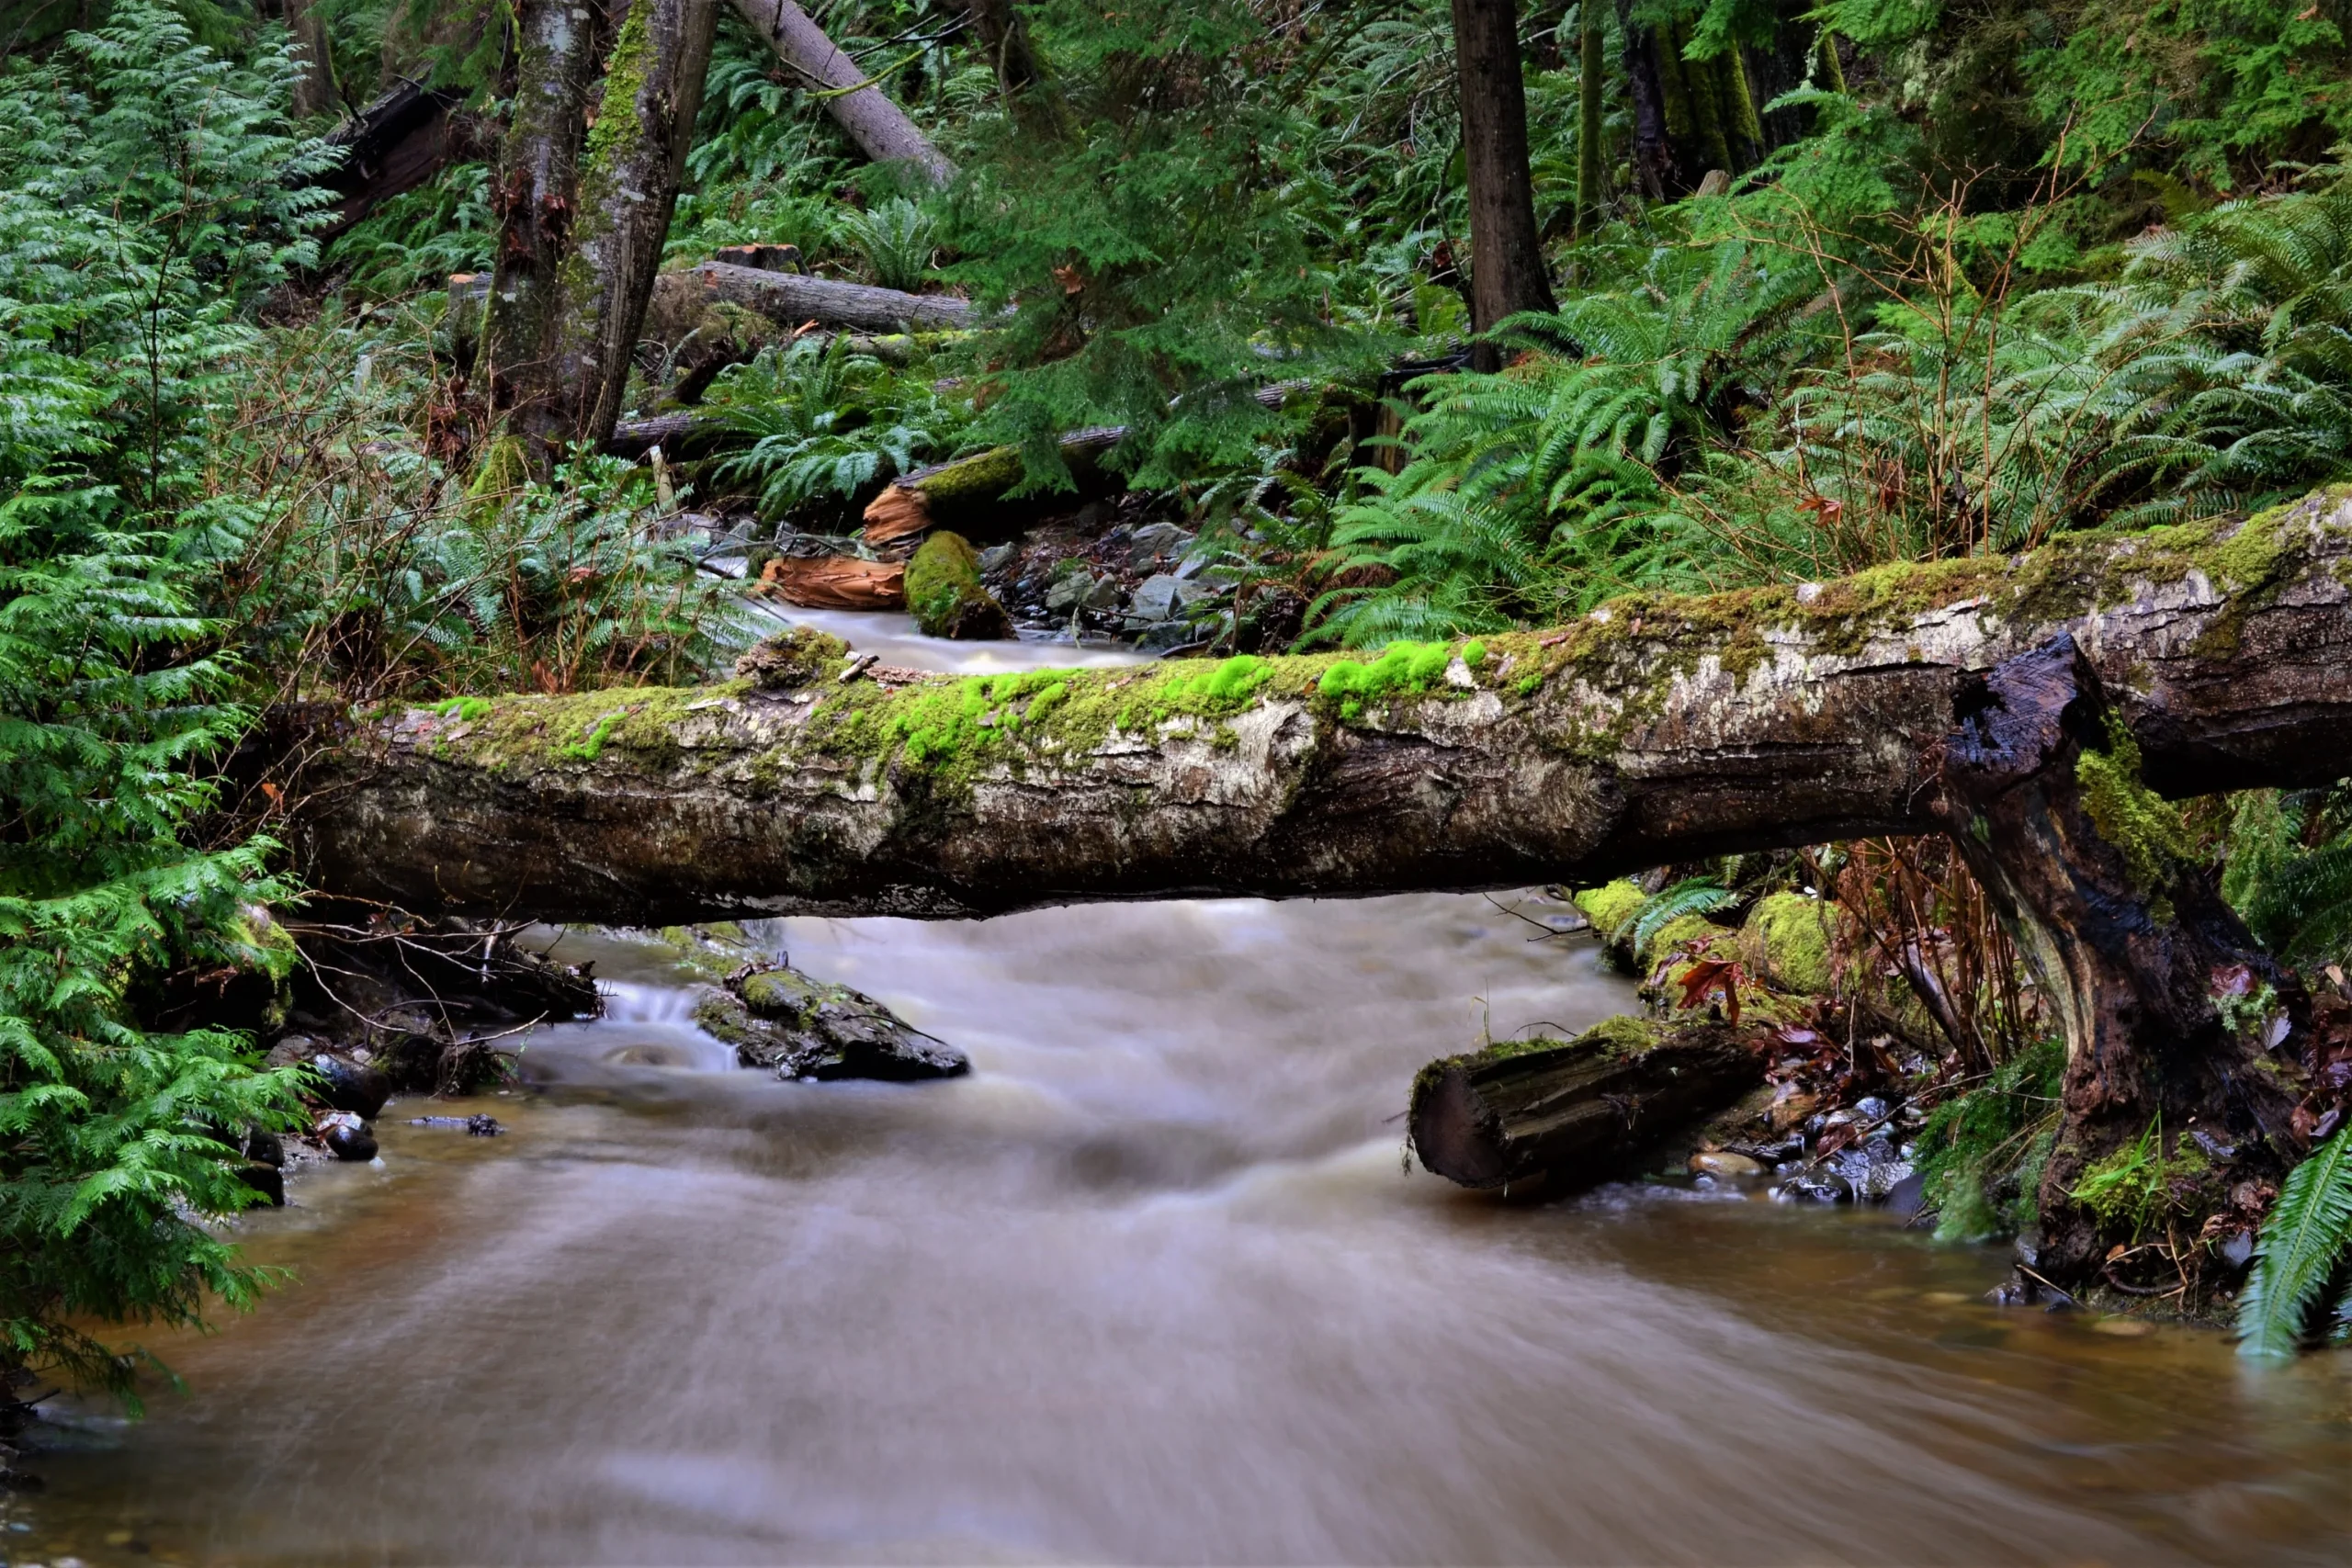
(1724, 1163)
(810, 1029)
(1814, 1187)
(346, 1136)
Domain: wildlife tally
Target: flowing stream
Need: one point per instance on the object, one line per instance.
(1150, 1285)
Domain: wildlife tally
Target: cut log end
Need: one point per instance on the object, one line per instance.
(899, 512)
(835, 583)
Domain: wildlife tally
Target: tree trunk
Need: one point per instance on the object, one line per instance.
(315, 85)
(2043, 794)
(879, 127)
(536, 194)
(628, 188)
(1656, 730)
(1654, 166)
(1507, 273)
(1592, 83)
(792, 300)
(1533, 1114)
(1029, 93)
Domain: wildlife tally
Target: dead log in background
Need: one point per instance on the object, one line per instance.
(967, 496)
(791, 301)
(835, 582)
(395, 144)
(1569, 1114)
(879, 126)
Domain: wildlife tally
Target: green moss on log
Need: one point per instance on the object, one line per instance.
(1785, 942)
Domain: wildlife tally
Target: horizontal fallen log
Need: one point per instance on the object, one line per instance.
(834, 583)
(968, 494)
(1572, 1113)
(1656, 729)
(791, 299)
(396, 143)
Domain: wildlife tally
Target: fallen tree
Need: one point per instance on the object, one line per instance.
(2038, 708)
(791, 299)
(879, 127)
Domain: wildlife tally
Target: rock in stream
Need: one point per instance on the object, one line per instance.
(810, 1029)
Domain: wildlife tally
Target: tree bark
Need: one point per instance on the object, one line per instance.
(1574, 1113)
(534, 195)
(628, 188)
(1656, 730)
(1507, 273)
(2044, 794)
(1592, 83)
(1030, 96)
(1654, 166)
(879, 127)
(791, 299)
(316, 91)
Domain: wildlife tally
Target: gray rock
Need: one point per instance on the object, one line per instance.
(994, 558)
(1164, 597)
(1815, 1186)
(1070, 590)
(1871, 1107)
(1907, 1199)
(802, 1027)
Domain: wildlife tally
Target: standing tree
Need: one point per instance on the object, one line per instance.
(1590, 85)
(1507, 273)
(628, 188)
(558, 45)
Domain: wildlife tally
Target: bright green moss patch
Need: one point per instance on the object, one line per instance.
(2144, 826)
(1786, 942)
(946, 594)
(1611, 906)
(591, 745)
(1401, 667)
(465, 710)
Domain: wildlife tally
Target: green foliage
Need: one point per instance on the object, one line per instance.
(895, 240)
(831, 425)
(2288, 870)
(1982, 1152)
(419, 237)
(2301, 1242)
(143, 201)
(1691, 896)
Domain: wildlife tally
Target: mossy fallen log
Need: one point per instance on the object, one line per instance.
(792, 299)
(944, 591)
(968, 494)
(1571, 1113)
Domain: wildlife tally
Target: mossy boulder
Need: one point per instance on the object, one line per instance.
(1609, 907)
(944, 591)
(1786, 943)
(801, 1027)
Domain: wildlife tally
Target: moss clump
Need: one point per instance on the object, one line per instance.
(1233, 681)
(1785, 942)
(800, 657)
(1608, 908)
(589, 747)
(1613, 1039)
(465, 710)
(625, 71)
(1621, 1036)
(945, 591)
(2144, 826)
(1671, 936)
(1409, 667)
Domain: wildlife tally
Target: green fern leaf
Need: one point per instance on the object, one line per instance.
(2299, 1244)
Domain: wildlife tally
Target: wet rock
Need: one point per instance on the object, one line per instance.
(346, 1136)
(290, 1050)
(265, 1147)
(343, 1085)
(1907, 1199)
(2236, 1250)
(1164, 597)
(1871, 1107)
(802, 1027)
(267, 1181)
(1725, 1163)
(1819, 1185)
(475, 1126)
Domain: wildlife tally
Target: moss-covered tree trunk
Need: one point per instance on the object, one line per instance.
(1591, 87)
(636, 154)
(1656, 171)
(316, 91)
(1507, 273)
(2170, 1010)
(536, 195)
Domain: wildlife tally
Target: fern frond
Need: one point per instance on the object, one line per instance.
(1693, 896)
(2298, 1249)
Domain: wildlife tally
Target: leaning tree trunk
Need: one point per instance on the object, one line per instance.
(2161, 987)
(879, 127)
(629, 187)
(536, 195)
(1508, 273)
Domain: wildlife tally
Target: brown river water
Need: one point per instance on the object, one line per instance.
(1151, 1285)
